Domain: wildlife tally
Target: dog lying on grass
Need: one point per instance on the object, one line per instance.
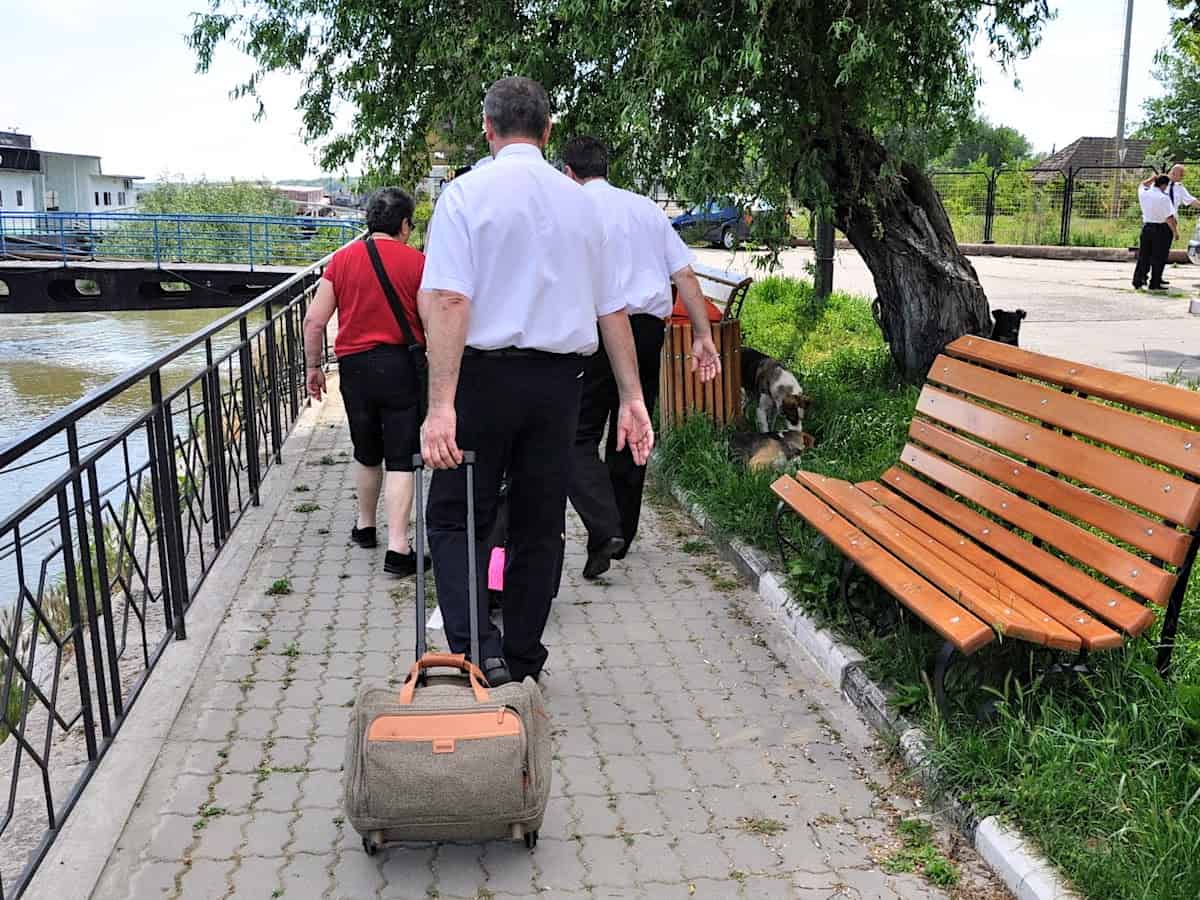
(776, 390)
(769, 451)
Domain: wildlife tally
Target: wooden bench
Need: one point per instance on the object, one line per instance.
(1036, 499)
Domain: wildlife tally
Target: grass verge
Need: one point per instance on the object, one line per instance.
(1102, 772)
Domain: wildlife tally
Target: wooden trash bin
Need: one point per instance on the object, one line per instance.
(681, 392)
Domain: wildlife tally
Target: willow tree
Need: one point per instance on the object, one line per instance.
(830, 102)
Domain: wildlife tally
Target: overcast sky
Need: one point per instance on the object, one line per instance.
(116, 79)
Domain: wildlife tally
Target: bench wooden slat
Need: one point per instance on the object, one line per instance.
(1110, 605)
(1094, 633)
(1146, 534)
(942, 614)
(1117, 563)
(1001, 613)
(1165, 399)
(1137, 434)
(1159, 492)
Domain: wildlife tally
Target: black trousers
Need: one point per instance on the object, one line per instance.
(518, 414)
(1153, 252)
(607, 493)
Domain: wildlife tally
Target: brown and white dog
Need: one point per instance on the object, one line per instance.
(769, 451)
(777, 390)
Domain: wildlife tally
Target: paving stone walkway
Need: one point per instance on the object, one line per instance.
(690, 759)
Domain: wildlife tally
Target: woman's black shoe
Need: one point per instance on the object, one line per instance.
(364, 537)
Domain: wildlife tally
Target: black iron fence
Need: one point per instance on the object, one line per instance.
(1088, 206)
(103, 560)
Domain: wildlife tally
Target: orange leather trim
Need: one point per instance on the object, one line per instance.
(442, 727)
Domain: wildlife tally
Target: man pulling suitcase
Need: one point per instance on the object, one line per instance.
(515, 286)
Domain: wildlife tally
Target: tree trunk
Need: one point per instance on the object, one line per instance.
(928, 291)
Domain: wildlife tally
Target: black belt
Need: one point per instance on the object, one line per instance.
(519, 353)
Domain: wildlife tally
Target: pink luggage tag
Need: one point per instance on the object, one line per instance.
(496, 570)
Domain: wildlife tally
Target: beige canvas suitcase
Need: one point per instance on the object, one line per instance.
(447, 757)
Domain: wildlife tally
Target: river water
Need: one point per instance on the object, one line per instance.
(48, 361)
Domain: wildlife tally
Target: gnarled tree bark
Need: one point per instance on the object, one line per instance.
(928, 292)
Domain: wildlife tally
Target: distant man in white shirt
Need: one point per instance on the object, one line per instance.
(1159, 228)
(515, 285)
(646, 255)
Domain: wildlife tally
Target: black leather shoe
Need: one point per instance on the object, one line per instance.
(599, 559)
(402, 564)
(364, 537)
(495, 670)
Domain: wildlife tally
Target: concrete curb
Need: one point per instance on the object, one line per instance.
(1011, 857)
(76, 860)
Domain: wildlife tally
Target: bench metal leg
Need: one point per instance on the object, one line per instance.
(848, 567)
(945, 659)
(780, 541)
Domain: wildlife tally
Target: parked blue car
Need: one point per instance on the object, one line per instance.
(723, 223)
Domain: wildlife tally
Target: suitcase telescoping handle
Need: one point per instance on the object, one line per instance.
(472, 579)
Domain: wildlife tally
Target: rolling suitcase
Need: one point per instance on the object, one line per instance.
(447, 757)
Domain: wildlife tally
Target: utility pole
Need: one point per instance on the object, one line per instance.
(1116, 204)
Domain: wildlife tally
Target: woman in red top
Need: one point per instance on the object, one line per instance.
(377, 375)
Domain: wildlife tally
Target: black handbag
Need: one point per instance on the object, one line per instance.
(417, 350)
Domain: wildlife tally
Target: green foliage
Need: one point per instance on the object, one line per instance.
(280, 586)
(757, 95)
(212, 198)
(1171, 122)
(978, 140)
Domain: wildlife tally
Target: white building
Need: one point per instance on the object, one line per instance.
(20, 173)
(46, 181)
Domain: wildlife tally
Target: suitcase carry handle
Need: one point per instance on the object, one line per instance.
(449, 661)
(472, 578)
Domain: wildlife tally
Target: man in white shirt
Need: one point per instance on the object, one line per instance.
(646, 256)
(515, 285)
(1159, 228)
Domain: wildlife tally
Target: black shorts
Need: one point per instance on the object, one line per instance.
(381, 392)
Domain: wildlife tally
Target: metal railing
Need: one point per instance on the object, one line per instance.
(171, 239)
(1087, 206)
(106, 555)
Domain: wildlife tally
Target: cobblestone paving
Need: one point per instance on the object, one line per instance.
(690, 759)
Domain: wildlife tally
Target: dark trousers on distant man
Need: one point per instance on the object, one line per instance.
(1153, 251)
(517, 411)
(607, 493)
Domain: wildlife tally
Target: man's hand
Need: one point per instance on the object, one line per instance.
(634, 429)
(705, 358)
(439, 444)
(316, 383)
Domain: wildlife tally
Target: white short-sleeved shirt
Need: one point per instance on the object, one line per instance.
(524, 244)
(643, 249)
(1156, 205)
(1180, 196)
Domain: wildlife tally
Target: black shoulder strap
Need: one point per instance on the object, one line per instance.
(390, 292)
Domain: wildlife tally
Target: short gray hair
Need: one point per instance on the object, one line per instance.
(517, 107)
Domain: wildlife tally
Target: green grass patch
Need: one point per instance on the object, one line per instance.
(280, 586)
(766, 827)
(1103, 772)
(919, 854)
(307, 507)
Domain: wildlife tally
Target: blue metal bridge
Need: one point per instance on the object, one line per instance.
(66, 262)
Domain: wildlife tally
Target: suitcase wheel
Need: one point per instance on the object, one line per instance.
(531, 839)
(369, 846)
